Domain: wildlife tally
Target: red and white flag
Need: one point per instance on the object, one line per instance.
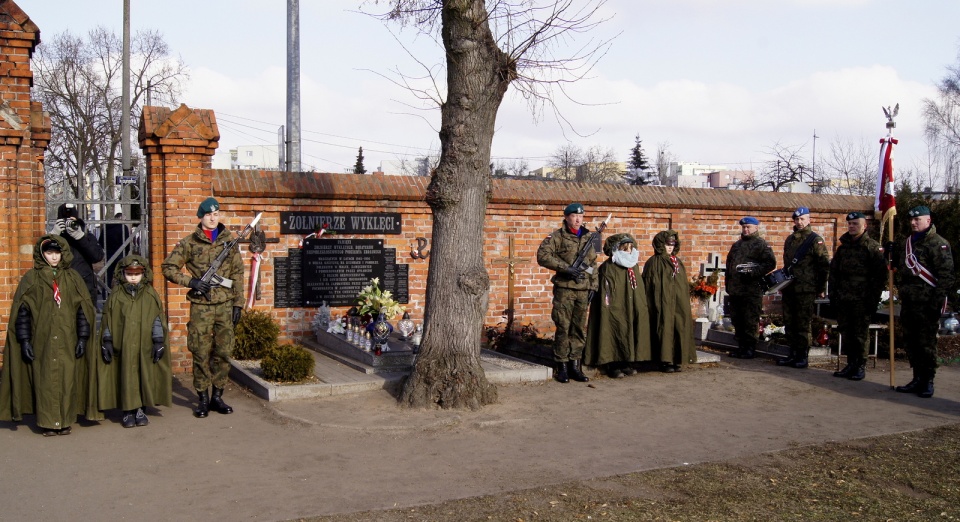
(56, 293)
(885, 204)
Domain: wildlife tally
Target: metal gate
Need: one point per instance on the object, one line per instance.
(116, 216)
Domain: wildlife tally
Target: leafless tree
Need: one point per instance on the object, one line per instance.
(851, 168)
(664, 159)
(784, 167)
(78, 80)
(565, 161)
(942, 117)
(488, 46)
(516, 168)
(600, 166)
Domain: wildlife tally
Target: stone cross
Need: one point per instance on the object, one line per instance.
(511, 261)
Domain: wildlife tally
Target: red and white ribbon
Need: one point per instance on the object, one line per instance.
(916, 268)
(254, 278)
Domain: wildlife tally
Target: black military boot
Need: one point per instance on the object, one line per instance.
(859, 371)
(847, 370)
(925, 389)
(561, 373)
(801, 361)
(217, 404)
(203, 407)
(788, 360)
(912, 386)
(576, 373)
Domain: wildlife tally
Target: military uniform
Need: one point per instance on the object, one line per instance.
(921, 302)
(857, 277)
(210, 331)
(570, 295)
(809, 280)
(744, 286)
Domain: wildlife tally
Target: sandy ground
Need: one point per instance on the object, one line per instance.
(343, 454)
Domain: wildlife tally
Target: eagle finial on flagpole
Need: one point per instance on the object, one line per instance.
(891, 114)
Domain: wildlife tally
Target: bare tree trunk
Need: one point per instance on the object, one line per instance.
(448, 372)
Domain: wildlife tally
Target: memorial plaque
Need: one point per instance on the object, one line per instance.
(335, 270)
(304, 223)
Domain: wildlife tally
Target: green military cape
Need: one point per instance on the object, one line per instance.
(56, 386)
(619, 326)
(133, 380)
(668, 294)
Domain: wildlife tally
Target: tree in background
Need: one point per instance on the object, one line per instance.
(358, 167)
(850, 168)
(565, 160)
(488, 47)
(664, 159)
(637, 165)
(942, 117)
(784, 167)
(600, 166)
(78, 80)
(517, 168)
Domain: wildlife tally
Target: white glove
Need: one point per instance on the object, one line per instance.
(75, 232)
(58, 227)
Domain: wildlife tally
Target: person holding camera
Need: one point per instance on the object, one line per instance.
(82, 243)
(572, 290)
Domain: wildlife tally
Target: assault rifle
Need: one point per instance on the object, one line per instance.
(581, 260)
(210, 276)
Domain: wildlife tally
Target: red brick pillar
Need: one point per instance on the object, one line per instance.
(24, 135)
(178, 146)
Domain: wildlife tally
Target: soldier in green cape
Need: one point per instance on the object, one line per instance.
(668, 294)
(46, 358)
(133, 345)
(618, 331)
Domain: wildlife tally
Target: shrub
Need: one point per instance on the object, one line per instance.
(256, 334)
(287, 363)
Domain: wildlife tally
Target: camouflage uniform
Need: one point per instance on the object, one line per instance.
(857, 277)
(745, 289)
(210, 330)
(921, 303)
(558, 251)
(809, 280)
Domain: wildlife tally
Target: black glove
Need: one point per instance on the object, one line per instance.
(106, 351)
(81, 347)
(199, 285)
(157, 352)
(889, 250)
(236, 315)
(573, 273)
(26, 352)
(590, 295)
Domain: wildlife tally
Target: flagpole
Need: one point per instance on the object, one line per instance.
(889, 211)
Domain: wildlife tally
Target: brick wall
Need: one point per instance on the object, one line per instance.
(179, 144)
(24, 135)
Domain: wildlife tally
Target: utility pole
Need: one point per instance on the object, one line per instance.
(293, 86)
(813, 162)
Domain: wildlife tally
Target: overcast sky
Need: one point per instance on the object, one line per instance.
(720, 81)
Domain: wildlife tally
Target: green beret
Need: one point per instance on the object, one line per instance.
(921, 210)
(209, 205)
(573, 208)
(855, 215)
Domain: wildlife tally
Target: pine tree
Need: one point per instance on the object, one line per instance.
(359, 168)
(637, 163)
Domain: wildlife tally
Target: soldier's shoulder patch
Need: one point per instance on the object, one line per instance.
(945, 247)
(548, 237)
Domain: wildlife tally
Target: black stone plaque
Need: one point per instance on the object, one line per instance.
(335, 270)
(304, 223)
